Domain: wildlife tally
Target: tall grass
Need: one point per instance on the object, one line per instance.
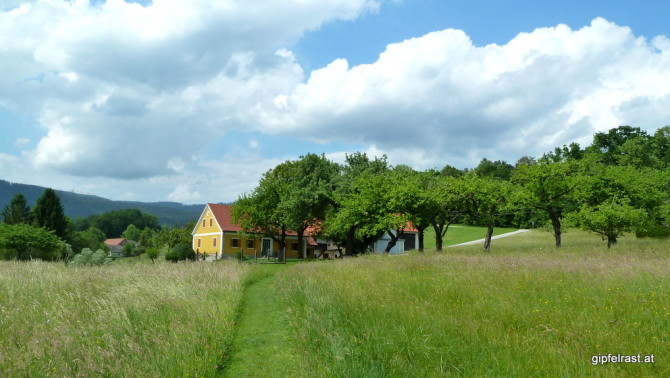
(526, 309)
(122, 320)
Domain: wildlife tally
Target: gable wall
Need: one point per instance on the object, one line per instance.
(207, 235)
(207, 223)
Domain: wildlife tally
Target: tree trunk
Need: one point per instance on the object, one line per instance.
(393, 241)
(300, 231)
(438, 237)
(611, 239)
(349, 247)
(556, 224)
(489, 235)
(282, 246)
(420, 238)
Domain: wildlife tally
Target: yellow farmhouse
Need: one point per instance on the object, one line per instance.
(215, 236)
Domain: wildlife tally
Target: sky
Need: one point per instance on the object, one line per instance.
(192, 101)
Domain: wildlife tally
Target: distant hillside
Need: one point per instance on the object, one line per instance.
(82, 205)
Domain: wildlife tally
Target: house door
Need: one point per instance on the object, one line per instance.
(266, 248)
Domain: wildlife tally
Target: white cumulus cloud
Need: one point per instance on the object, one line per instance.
(135, 95)
(441, 99)
(122, 89)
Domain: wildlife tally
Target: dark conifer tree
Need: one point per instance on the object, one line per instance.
(17, 211)
(48, 213)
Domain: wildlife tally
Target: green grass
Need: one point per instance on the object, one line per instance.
(148, 319)
(460, 234)
(525, 309)
(262, 346)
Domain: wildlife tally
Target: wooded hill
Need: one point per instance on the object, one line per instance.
(82, 205)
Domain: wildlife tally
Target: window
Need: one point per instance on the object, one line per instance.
(235, 243)
(210, 222)
(295, 246)
(199, 243)
(203, 223)
(250, 243)
(214, 242)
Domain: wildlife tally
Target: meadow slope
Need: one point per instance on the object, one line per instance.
(525, 309)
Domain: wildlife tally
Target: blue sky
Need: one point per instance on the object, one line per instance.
(485, 22)
(193, 101)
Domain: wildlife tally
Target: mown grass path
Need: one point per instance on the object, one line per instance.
(262, 346)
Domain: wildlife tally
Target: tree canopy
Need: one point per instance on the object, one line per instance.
(548, 187)
(621, 175)
(25, 242)
(114, 223)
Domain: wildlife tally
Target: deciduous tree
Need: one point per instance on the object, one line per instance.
(609, 145)
(486, 199)
(260, 211)
(26, 242)
(362, 215)
(450, 204)
(308, 193)
(113, 223)
(147, 235)
(359, 199)
(131, 233)
(92, 238)
(422, 204)
(89, 258)
(128, 249)
(610, 218)
(171, 237)
(547, 186)
(152, 253)
(618, 199)
(661, 142)
(494, 169)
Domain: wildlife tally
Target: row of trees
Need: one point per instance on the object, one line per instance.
(115, 224)
(45, 232)
(616, 185)
(34, 233)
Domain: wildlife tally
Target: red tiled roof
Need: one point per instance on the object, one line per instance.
(114, 241)
(225, 221)
(410, 227)
(223, 218)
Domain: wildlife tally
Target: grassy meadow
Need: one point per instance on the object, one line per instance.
(460, 234)
(158, 319)
(525, 309)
